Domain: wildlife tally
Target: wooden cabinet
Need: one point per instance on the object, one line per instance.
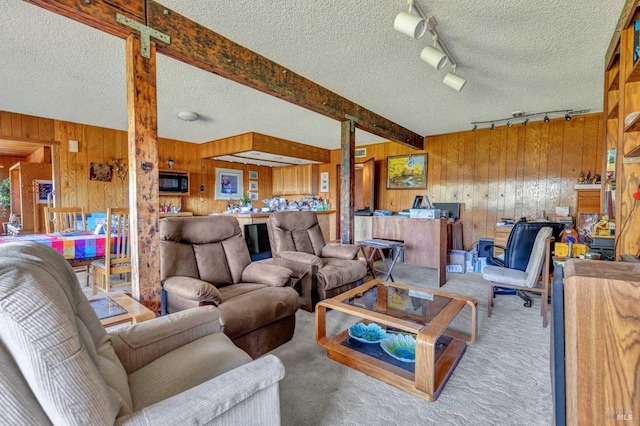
(295, 180)
(602, 342)
(588, 200)
(24, 194)
(622, 124)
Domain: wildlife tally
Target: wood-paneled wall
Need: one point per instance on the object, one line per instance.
(6, 162)
(101, 145)
(508, 172)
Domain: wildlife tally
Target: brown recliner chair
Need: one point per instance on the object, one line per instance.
(205, 261)
(325, 269)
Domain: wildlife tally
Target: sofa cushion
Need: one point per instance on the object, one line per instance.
(184, 368)
(340, 251)
(337, 272)
(248, 307)
(212, 264)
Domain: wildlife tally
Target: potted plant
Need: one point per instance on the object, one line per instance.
(245, 203)
(5, 196)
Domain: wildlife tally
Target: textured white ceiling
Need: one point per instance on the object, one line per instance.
(529, 56)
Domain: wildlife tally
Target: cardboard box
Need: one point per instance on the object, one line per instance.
(456, 261)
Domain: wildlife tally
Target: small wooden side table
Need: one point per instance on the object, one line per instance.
(135, 312)
(396, 248)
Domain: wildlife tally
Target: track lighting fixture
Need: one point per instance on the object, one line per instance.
(519, 115)
(416, 25)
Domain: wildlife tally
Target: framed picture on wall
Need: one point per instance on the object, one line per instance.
(43, 189)
(253, 185)
(253, 175)
(324, 181)
(407, 171)
(229, 184)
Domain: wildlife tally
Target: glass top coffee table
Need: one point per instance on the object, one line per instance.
(404, 314)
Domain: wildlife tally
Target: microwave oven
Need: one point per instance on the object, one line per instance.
(173, 182)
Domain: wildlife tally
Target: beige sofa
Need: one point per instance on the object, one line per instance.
(325, 269)
(205, 261)
(59, 366)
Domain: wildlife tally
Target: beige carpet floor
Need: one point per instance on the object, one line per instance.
(502, 379)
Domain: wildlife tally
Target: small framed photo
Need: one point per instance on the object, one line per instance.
(253, 196)
(228, 184)
(99, 171)
(407, 171)
(253, 185)
(43, 189)
(253, 175)
(324, 181)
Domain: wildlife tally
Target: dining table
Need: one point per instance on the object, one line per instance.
(77, 245)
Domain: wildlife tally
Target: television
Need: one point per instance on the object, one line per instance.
(452, 208)
(257, 239)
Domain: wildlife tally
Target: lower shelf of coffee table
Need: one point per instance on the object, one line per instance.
(388, 370)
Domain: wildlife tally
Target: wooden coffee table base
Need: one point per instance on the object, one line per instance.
(431, 371)
(136, 312)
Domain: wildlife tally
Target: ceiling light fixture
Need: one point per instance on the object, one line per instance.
(188, 115)
(517, 115)
(436, 55)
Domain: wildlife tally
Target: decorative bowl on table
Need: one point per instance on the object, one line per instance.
(400, 346)
(367, 333)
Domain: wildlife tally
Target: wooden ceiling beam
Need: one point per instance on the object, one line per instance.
(196, 45)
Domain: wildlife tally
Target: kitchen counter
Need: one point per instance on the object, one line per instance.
(180, 214)
(257, 215)
(326, 220)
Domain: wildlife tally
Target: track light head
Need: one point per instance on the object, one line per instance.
(509, 124)
(493, 125)
(475, 127)
(411, 25)
(526, 120)
(567, 117)
(454, 81)
(546, 118)
(434, 57)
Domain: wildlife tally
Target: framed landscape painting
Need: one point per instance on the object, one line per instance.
(407, 171)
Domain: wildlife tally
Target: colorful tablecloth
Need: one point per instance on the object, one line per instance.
(72, 245)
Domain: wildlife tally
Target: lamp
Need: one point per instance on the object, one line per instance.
(188, 115)
(454, 81)
(411, 25)
(436, 55)
(517, 115)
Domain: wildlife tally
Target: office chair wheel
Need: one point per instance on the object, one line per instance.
(527, 304)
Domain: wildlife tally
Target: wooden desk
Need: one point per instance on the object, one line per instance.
(425, 240)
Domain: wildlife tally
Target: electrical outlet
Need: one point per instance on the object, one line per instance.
(202, 199)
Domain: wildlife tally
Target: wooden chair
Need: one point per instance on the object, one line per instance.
(117, 258)
(65, 219)
(525, 280)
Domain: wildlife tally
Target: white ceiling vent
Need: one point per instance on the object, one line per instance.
(361, 152)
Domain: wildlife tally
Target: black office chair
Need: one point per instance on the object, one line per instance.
(518, 250)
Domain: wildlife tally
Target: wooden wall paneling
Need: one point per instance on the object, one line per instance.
(63, 133)
(493, 195)
(30, 127)
(433, 147)
(571, 160)
(110, 193)
(122, 189)
(5, 123)
(554, 159)
(95, 154)
(16, 125)
(532, 194)
(46, 129)
(450, 190)
(468, 164)
(519, 140)
(7, 162)
(480, 179)
(501, 166)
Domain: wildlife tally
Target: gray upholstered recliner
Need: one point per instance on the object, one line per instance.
(59, 366)
(326, 269)
(205, 261)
